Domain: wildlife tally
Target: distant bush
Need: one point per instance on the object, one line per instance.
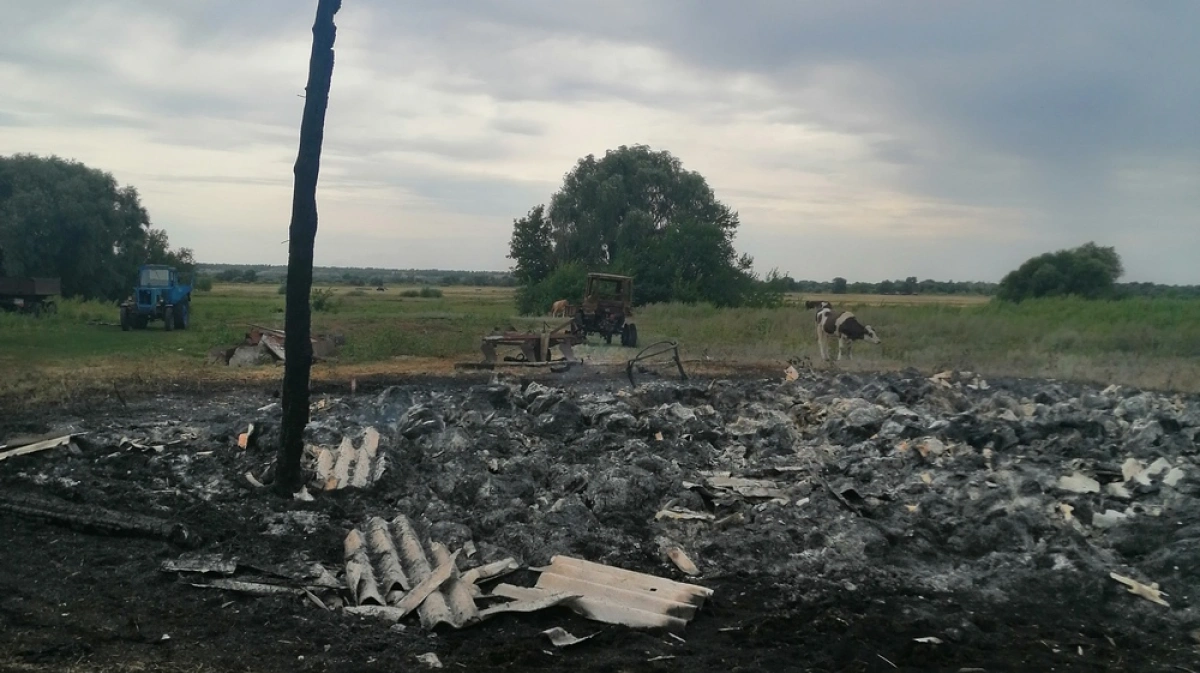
(1089, 271)
(323, 301)
(357, 292)
(282, 288)
(203, 284)
(424, 293)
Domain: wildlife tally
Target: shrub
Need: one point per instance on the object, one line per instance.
(323, 300)
(203, 284)
(424, 293)
(1089, 271)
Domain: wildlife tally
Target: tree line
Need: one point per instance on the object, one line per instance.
(906, 286)
(357, 277)
(60, 218)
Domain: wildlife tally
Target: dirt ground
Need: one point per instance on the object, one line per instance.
(914, 524)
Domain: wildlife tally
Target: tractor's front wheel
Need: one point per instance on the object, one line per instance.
(629, 336)
(169, 318)
(126, 320)
(182, 316)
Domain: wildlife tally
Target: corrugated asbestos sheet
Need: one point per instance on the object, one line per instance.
(347, 465)
(390, 567)
(614, 595)
(391, 571)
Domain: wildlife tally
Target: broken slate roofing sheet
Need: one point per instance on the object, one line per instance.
(347, 465)
(614, 595)
(390, 572)
(389, 566)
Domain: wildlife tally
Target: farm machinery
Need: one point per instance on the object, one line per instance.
(158, 296)
(29, 295)
(607, 309)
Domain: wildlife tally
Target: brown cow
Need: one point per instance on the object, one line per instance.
(559, 309)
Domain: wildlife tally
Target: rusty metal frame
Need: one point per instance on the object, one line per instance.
(656, 349)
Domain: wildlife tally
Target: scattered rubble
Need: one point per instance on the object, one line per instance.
(944, 507)
(263, 345)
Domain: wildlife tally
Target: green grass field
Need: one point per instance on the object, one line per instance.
(1151, 343)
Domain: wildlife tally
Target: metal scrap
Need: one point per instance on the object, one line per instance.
(34, 447)
(655, 350)
(201, 563)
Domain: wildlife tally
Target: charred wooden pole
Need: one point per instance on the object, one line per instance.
(298, 318)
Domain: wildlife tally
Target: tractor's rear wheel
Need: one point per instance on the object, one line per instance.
(126, 320)
(182, 316)
(169, 318)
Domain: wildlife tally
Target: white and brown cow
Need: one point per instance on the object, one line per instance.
(843, 326)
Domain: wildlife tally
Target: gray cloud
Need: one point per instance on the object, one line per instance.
(1042, 121)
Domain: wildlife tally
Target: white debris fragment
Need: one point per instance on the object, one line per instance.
(1079, 483)
(1148, 591)
(932, 640)
(1133, 468)
(1173, 476)
(563, 638)
(430, 659)
(1117, 490)
(1108, 518)
(1158, 467)
(681, 561)
(1066, 510)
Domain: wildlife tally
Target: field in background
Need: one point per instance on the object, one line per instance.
(1151, 343)
(794, 298)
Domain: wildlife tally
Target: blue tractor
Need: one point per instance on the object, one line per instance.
(158, 296)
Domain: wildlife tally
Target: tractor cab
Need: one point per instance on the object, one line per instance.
(158, 296)
(607, 308)
(157, 276)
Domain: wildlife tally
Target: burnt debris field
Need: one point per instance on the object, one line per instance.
(839, 522)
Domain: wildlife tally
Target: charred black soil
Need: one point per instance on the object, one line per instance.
(908, 524)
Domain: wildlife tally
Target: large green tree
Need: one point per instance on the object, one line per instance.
(1089, 271)
(639, 212)
(60, 218)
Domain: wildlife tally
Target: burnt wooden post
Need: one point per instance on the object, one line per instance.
(298, 319)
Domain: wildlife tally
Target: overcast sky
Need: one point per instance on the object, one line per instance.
(871, 140)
